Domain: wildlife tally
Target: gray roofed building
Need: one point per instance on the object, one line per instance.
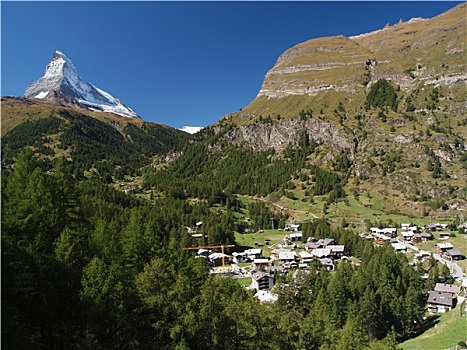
(254, 253)
(286, 256)
(447, 288)
(311, 245)
(442, 247)
(422, 237)
(454, 254)
(321, 252)
(326, 241)
(322, 243)
(439, 301)
(295, 237)
(305, 256)
(260, 262)
(275, 268)
(337, 250)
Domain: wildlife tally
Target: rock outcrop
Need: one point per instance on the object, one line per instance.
(265, 135)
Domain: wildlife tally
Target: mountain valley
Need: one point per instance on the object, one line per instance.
(115, 230)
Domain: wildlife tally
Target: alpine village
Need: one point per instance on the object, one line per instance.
(329, 213)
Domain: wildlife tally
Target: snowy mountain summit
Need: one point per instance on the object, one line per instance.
(61, 82)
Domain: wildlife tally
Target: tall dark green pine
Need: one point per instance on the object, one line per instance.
(38, 289)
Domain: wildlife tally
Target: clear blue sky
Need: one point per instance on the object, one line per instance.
(178, 63)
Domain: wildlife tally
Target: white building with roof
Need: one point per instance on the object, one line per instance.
(442, 247)
(261, 281)
(260, 262)
(321, 252)
(254, 253)
(305, 257)
(286, 256)
(399, 247)
(295, 237)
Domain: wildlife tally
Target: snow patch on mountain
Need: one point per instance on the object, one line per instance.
(41, 95)
(191, 129)
(61, 80)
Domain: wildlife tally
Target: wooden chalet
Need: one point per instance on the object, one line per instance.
(439, 302)
(442, 247)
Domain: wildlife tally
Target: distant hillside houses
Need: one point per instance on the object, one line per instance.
(247, 256)
(388, 231)
(409, 228)
(324, 251)
(435, 227)
(447, 251)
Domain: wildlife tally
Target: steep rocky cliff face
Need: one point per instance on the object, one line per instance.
(266, 134)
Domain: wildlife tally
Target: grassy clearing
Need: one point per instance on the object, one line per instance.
(448, 332)
(369, 207)
(244, 281)
(146, 196)
(248, 240)
(463, 264)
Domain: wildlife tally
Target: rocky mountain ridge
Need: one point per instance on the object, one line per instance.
(428, 51)
(61, 82)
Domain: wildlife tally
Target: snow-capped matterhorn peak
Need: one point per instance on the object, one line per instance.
(61, 82)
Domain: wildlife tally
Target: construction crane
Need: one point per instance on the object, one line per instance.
(221, 246)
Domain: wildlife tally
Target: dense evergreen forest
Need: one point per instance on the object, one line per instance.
(104, 148)
(87, 267)
(204, 171)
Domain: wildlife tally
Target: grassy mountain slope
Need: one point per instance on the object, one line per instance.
(325, 71)
(392, 101)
